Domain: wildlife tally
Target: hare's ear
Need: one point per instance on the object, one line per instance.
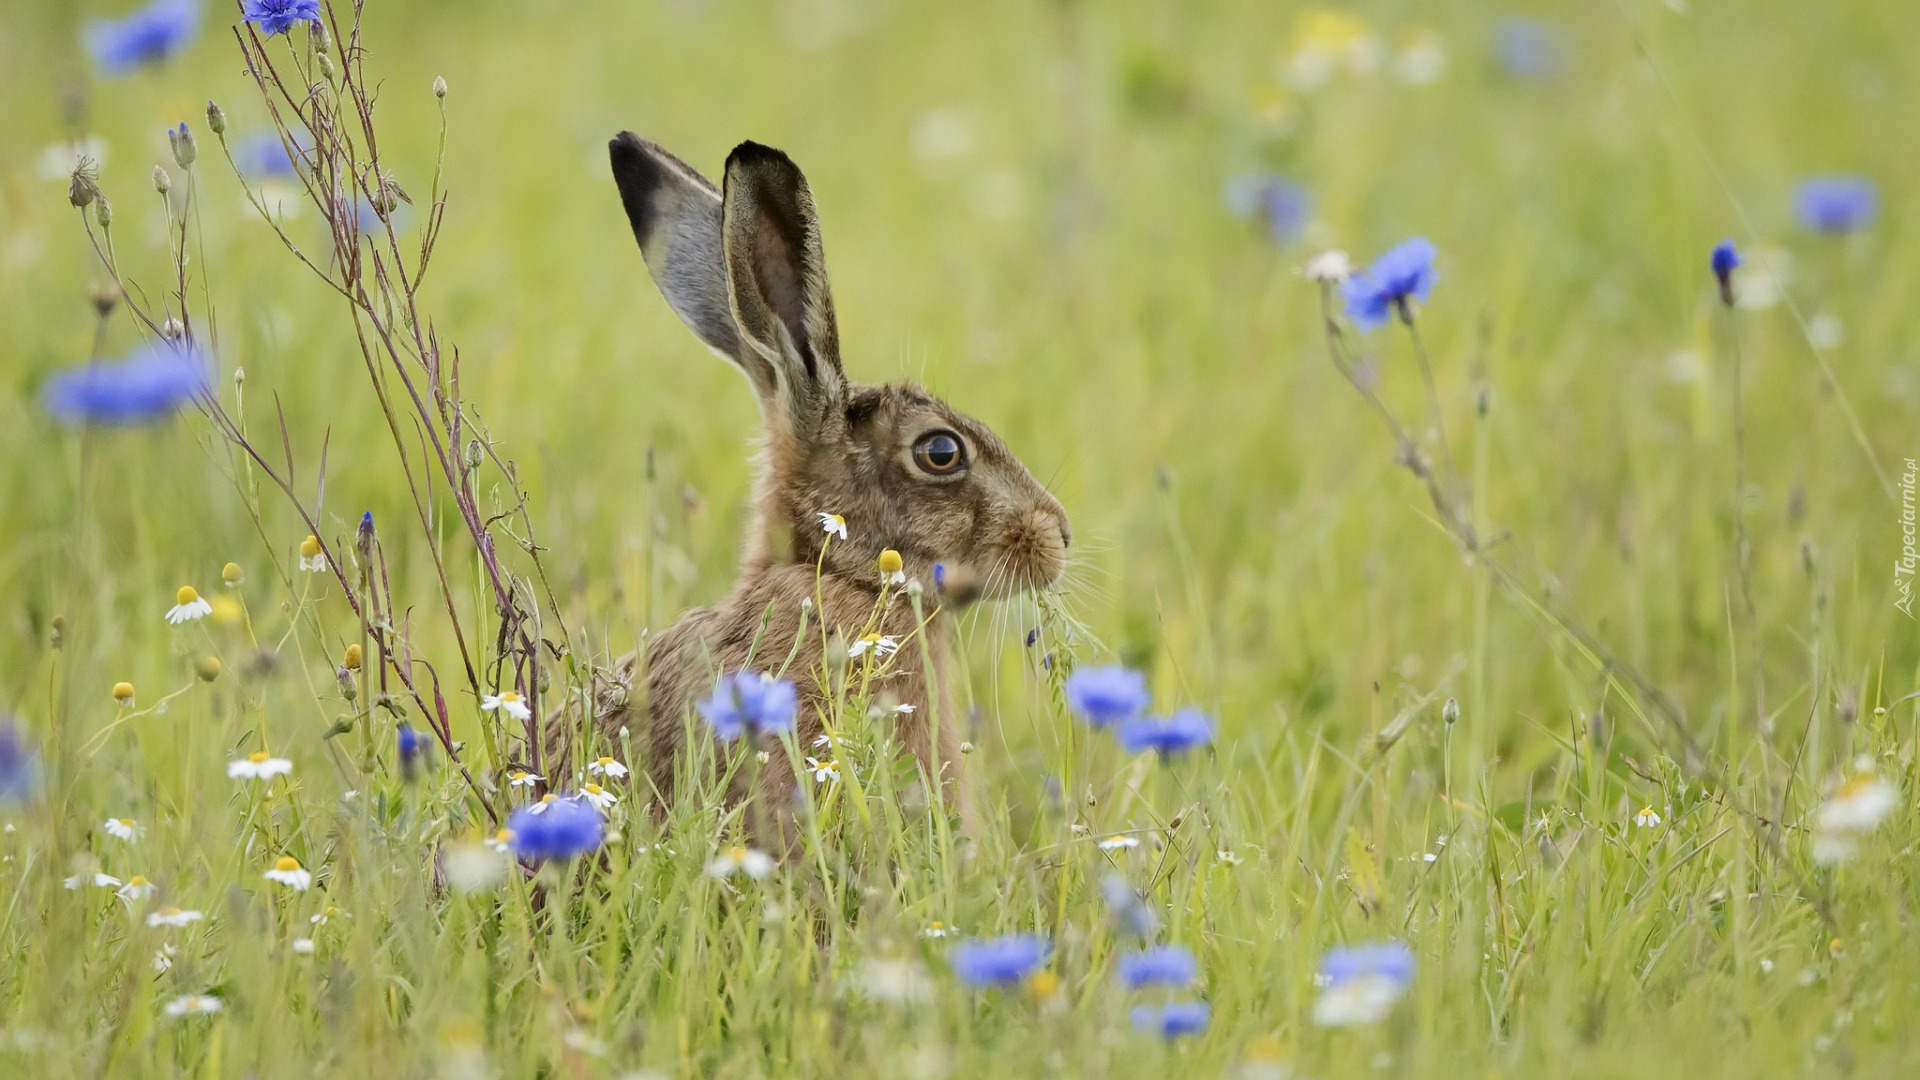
(777, 278)
(676, 217)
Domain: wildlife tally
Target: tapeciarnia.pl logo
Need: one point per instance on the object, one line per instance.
(1903, 567)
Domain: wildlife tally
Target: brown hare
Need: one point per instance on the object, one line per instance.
(845, 472)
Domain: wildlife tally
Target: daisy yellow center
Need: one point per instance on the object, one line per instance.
(1647, 812)
(1044, 983)
(890, 562)
(170, 911)
(870, 638)
(736, 853)
(331, 911)
(137, 882)
(503, 835)
(937, 925)
(310, 547)
(549, 797)
(187, 595)
(1857, 784)
(837, 519)
(232, 574)
(258, 756)
(593, 789)
(511, 695)
(286, 863)
(605, 761)
(125, 822)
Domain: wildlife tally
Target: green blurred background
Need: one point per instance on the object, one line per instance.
(1023, 206)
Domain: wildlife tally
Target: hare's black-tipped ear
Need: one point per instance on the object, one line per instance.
(777, 276)
(676, 217)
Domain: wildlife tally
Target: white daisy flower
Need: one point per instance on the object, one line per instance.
(936, 929)
(121, 828)
(824, 742)
(473, 867)
(310, 557)
(881, 645)
(103, 881)
(173, 916)
(833, 525)
(507, 701)
(823, 771)
(1228, 857)
(545, 801)
(259, 765)
(904, 709)
(303, 946)
(136, 888)
(606, 766)
(1859, 805)
(192, 1005)
(501, 841)
(600, 797)
(754, 863)
(1647, 818)
(189, 608)
(163, 958)
(893, 980)
(1119, 843)
(523, 778)
(893, 569)
(1329, 266)
(327, 915)
(287, 872)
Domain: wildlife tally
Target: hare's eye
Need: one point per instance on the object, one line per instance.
(939, 453)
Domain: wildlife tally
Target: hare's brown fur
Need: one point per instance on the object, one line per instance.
(745, 270)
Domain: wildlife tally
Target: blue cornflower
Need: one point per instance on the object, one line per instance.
(19, 770)
(1836, 204)
(1172, 1020)
(413, 750)
(1724, 259)
(999, 961)
(559, 829)
(748, 702)
(1529, 48)
(1391, 960)
(279, 16)
(1284, 206)
(1360, 983)
(1126, 907)
(151, 383)
(1404, 274)
(1107, 695)
(1172, 965)
(265, 156)
(146, 36)
(1187, 729)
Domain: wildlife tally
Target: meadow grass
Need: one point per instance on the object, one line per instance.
(1022, 206)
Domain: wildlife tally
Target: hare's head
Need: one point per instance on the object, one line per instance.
(743, 267)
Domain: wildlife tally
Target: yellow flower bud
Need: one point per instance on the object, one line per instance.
(232, 574)
(890, 562)
(309, 547)
(123, 693)
(209, 669)
(286, 862)
(352, 657)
